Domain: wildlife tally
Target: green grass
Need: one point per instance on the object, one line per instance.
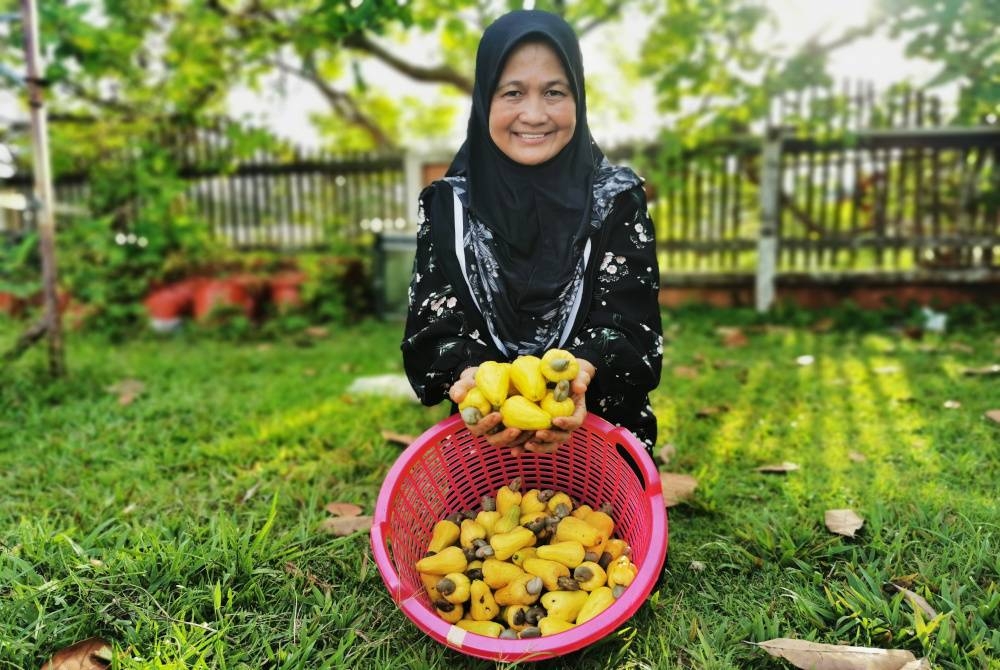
(133, 522)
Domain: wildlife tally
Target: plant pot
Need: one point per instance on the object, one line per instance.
(10, 304)
(215, 294)
(286, 290)
(169, 304)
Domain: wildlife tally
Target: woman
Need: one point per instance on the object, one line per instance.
(534, 240)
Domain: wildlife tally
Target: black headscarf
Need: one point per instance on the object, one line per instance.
(539, 214)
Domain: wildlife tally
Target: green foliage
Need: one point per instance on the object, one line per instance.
(184, 526)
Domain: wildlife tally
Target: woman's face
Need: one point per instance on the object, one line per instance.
(533, 113)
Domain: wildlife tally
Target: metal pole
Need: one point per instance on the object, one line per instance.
(43, 188)
(770, 205)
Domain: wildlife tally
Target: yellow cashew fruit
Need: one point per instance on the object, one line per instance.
(482, 605)
(449, 611)
(564, 605)
(519, 412)
(498, 574)
(558, 365)
(522, 591)
(449, 559)
(471, 531)
(455, 587)
(590, 576)
(493, 380)
(569, 552)
(549, 625)
(571, 528)
(487, 628)
(474, 406)
(622, 571)
(445, 534)
(509, 495)
(549, 571)
(526, 376)
(505, 544)
(534, 501)
(599, 600)
(556, 408)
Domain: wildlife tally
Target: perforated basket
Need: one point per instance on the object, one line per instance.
(447, 469)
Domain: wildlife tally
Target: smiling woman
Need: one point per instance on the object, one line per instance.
(533, 113)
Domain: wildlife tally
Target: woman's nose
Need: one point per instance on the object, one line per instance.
(533, 111)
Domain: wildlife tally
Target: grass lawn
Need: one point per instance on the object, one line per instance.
(183, 526)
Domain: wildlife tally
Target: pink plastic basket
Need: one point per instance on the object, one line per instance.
(447, 469)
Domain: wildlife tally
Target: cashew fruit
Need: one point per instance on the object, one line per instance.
(526, 376)
(493, 380)
(558, 365)
(519, 412)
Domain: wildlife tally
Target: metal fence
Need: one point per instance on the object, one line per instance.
(269, 200)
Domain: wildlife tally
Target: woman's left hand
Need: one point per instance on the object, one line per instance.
(547, 441)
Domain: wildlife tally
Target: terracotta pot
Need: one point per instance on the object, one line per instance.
(220, 293)
(286, 290)
(10, 304)
(168, 305)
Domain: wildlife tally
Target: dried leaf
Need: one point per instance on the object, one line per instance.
(961, 348)
(398, 438)
(725, 363)
(919, 664)
(706, 412)
(686, 372)
(857, 457)
(805, 359)
(823, 325)
(667, 453)
(317, 332)
(778, 468)
(677, 488)
(90, 654)
(815, 656)
(127, 390)
(844, 522)
(697, 566)
(342, 526)
(250, 493)
(952, 404)
(343, 509)
(988, 371)
(917, 601)
(309, 372)
(264, 346)
(732, 337)
(993, 415)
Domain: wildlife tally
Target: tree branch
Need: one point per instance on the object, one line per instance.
(341, 102)
(612, 10)
(436, 73)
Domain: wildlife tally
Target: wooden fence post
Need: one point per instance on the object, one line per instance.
(770, 214)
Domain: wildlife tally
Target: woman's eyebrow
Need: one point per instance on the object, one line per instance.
(520, 84)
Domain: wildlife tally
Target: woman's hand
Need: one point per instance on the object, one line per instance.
(487, 426)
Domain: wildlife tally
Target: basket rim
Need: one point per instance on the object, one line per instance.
(538, 648)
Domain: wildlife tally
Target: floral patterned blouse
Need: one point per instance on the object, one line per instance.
(615, 324)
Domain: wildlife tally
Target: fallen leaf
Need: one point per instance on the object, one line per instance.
(398, 438)
(90, 654)
(993, 415)
(343, 509)
(342, 526)
(857, 457)
(806, 359)
(725, 363)
(697, 566)
(919, 664)
(309, 372)
(317, 332)
(249, 493)
(988, 371)
(917, 601)
(127, 390)
(952, 404)
(778, 468)
(816, 656)
(686, 372)
(844, 522)
(732, 337)
(677, 488)
(667, 453)
(705, 412)
(961, 347)
(823, 325)
(264, 346)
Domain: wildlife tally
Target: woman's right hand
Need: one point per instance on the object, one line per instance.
(486, 427)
